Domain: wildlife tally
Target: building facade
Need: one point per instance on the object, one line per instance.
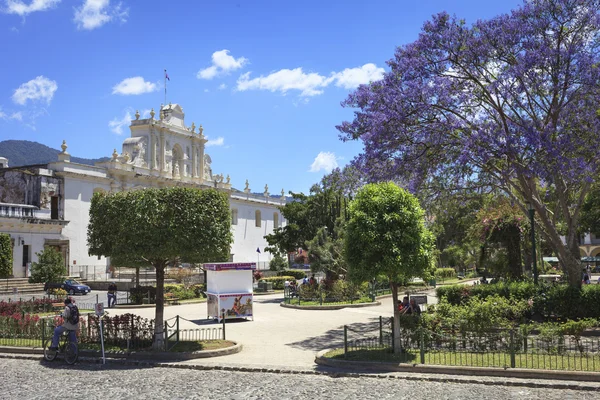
(48, 205)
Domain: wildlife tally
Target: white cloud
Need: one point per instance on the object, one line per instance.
(146, 113)
(117, 125)
(94, 13)
(310, 84)
(222, 86)
(222, 63)
(206, 90)
(325, 161)
(286, 79)
(19, 7)
(134, 85)
(215, 142)
(16, 115)
(351, 78)
(40, 88)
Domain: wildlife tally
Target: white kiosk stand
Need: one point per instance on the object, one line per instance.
(229, 288)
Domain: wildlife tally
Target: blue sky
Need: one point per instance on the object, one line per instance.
(264, 78)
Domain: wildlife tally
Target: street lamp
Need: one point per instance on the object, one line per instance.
(531, 218)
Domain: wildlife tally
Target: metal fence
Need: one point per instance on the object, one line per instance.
(122, 333)
(497, 348)
(320, 297)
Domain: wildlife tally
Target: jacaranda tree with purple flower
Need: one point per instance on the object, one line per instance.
(509, 103)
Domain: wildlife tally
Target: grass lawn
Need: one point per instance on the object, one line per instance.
(568, 362)
(181, 347)
(192, 301)
(20, 342)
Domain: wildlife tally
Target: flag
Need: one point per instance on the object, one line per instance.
(258, 250)
(167, 75)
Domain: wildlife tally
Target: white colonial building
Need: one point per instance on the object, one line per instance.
(48, 205)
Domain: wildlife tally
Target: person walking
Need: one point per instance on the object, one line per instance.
(112, 294)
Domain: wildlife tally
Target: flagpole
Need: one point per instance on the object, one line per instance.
(165, 77)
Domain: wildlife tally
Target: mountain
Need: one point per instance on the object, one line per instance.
(24, 152)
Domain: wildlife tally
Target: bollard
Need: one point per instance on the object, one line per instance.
(512, 349)
(223, 320)
(422, 346)
(380, 330)
(345, 341)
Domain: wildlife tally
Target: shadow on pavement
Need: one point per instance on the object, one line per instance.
(92, 365)
(334, 338)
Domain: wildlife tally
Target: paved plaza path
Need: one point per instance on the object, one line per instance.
(278, 337)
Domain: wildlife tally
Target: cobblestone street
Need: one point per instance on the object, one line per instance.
(29, 379)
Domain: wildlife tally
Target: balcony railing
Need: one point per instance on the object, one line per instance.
(18, 210)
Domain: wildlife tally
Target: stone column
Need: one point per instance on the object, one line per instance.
(161, 157)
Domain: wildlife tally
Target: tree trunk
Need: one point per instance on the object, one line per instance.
(512, 242)
(397, 338)
(160, 306)
(137, 276)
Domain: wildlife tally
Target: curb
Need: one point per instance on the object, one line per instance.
(158, 356)
(520, 373)
(332, 307)
(446, 379)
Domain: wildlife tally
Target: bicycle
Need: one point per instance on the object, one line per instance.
(65, 346)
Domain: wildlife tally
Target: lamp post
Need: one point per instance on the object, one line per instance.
(533, 257)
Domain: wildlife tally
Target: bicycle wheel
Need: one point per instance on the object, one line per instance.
(49, 355)
(71, 353)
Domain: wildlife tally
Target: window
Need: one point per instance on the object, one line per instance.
(234, 216)
(257, 220)
(275, 220)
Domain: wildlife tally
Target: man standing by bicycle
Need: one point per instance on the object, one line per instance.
(70, 323)
(112, 294)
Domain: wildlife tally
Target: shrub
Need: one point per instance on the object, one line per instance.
(278, 281)
(277, 263)
(25, 307)
(181, 275)
(180, 291)
(480, 315)
(296, 273)
(49, 268)
(257, 275)
(6, 260)
(58, 292)
(121, 330)
(138, 294)
(444, 273)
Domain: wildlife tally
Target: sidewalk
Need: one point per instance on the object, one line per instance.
(278, 337)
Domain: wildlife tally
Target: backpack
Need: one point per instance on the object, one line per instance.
(73, 314)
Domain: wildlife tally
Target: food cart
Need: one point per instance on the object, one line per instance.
(229, 290)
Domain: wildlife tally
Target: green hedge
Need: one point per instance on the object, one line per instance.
(296, 273)
(560, 301)
(444, 273)
(278, 281)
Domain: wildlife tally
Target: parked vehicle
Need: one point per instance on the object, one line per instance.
(70, 285)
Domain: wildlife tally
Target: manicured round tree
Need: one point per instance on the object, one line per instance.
(386, 235)
(156, 226)
(6, 259)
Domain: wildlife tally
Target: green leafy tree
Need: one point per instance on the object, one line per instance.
(156, 226)
(49, 268)
(326, 252)
(386, 235)
(277, 263)
(6, 259)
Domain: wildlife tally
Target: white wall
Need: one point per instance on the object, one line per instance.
(77, 196)
(35, 241)
(246, 236)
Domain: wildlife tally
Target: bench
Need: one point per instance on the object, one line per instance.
(421, 300)
(58, 306)
(172, 301)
